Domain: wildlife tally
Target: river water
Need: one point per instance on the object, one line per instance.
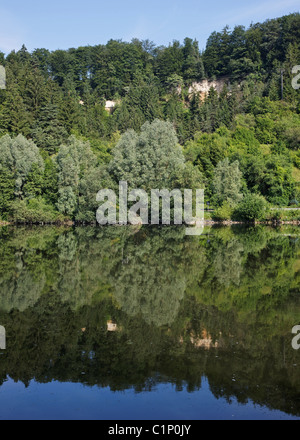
(122, 323)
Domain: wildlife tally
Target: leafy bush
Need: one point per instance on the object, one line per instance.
(290, 215)
(252, 207)
(34, 211)
(223, 213)
(276, 216)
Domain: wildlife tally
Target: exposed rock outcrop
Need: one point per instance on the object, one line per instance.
(203, 87)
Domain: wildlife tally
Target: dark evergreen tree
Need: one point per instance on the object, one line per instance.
(49, 131)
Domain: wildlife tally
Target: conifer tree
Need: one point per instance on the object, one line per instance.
(49, 132)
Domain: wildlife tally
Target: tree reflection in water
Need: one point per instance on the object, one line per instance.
(133, 307)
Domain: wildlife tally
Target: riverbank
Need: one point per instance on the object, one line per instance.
(266, 223)
(205, 222)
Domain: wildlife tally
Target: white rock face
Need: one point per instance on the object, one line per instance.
(111, 327)
(203, 87)
(110, 105)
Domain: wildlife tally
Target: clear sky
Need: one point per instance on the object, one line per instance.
(61, 24)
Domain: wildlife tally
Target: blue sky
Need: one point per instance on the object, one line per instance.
(61, 24)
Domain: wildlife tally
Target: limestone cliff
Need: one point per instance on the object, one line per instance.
(203, 87)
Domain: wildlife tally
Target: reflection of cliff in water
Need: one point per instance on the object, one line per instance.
(111, 307)
(53, 342)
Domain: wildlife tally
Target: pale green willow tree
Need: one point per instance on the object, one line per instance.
(227, 183)
(150, 159)
(19, 155)
(75, 160)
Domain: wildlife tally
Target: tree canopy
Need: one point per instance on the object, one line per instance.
(73, 121)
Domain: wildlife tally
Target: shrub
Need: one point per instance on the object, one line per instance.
(34, 211)
(223, 213)
(252, 207)
(276, 216)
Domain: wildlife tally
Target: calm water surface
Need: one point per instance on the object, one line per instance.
(119, 323)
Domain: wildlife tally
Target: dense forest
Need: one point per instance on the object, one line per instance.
(60, 143)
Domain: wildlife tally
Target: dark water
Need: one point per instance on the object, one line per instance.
(125, 324)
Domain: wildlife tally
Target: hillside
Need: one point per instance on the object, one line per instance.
(232, 107)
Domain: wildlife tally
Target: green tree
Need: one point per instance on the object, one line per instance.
(49, 131)
(252, 207)
(7, 190)
(75, 160)
(150, 159)
(141, 104)
(227, 183)
(21, 157)
(193, 68)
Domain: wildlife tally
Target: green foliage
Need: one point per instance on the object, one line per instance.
(240, 52)
(141, 104)
(33, 211)
(188, 177)
(49, 132)
(253, 207)
(148, 160)
(75, 161)
(205, 151)
(223, 213)
(21, 157)
(7, 191)
(246, 119)
(284, 215)
(89, 185)
(227, 183)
